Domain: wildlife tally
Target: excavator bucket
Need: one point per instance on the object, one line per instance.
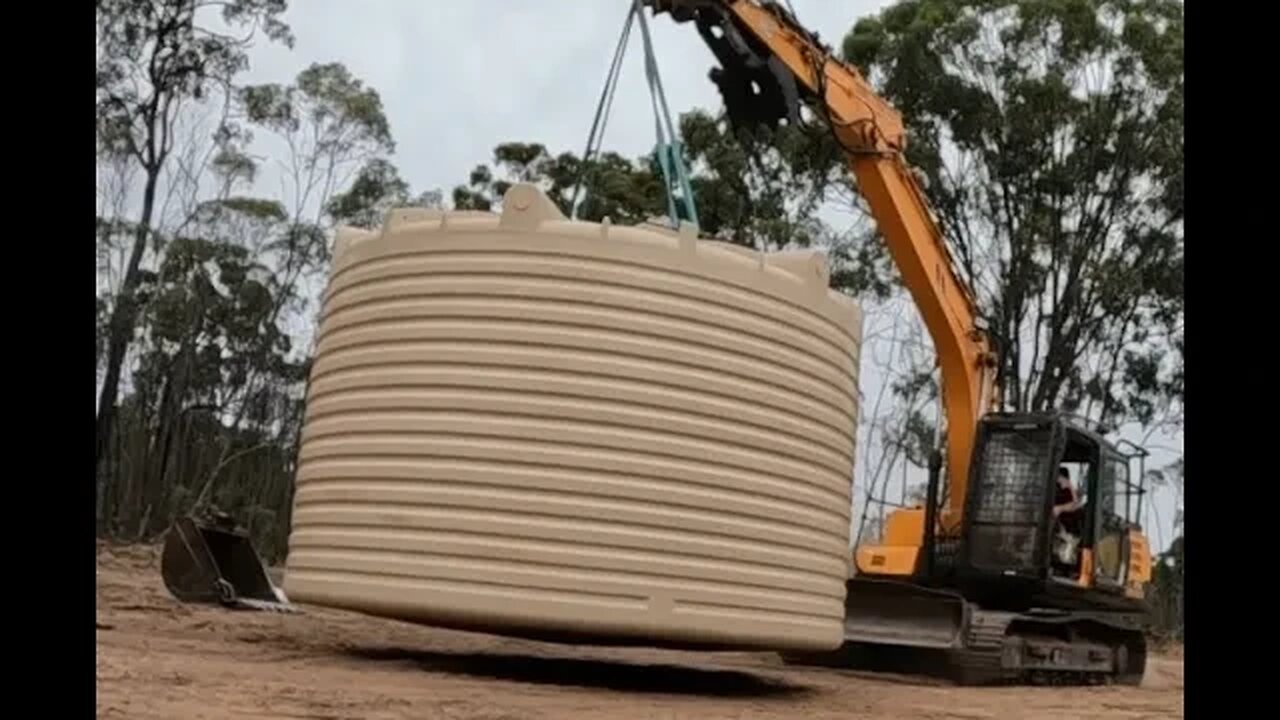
(211, 561)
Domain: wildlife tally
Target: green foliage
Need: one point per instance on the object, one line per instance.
(155, 58)
(1050, 136)
(767, 197)
(213, 348)
(209, 320)
(763, 189)
(337, 134)
(153, 55)
(377, 188)
(211, 308)
(340, 113)
(627, 192)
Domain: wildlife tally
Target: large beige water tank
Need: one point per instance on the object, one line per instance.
(576, 431)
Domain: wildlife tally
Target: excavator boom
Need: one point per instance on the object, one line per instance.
(768, 64)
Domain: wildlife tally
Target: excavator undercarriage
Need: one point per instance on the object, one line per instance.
(997, 606)
(899, 627)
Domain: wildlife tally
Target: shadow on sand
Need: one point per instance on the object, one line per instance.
(592, 673)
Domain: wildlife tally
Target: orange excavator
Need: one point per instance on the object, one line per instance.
(986, 578)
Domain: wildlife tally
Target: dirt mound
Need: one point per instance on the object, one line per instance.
(159, 659)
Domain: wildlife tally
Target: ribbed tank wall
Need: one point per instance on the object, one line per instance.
(533, 426)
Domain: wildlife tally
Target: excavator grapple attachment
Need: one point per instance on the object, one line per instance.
(211, 561)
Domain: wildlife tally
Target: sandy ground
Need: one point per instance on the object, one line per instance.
(159, 659)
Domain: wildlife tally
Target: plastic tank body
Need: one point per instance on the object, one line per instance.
(575, 431)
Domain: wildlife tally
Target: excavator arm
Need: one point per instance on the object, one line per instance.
(768, 66)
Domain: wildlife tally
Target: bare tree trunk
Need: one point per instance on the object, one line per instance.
(123, 320)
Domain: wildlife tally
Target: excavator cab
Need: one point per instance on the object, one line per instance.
(1008, 553)
(1010, 531)
(1119, 559)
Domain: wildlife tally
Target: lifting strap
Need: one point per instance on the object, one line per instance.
(669, 152)
(596, 136)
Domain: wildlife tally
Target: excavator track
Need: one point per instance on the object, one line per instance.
(1050, 649)
(1044, 647)
(979, 662)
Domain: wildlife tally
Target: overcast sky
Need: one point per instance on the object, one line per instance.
(458, 78)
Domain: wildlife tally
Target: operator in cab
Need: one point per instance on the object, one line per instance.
(1066, 503)
(1067, 511)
